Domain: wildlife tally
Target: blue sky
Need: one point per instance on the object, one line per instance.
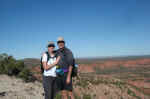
(91, 28)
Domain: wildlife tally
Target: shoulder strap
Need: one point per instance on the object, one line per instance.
(55, 53)
(48, 56)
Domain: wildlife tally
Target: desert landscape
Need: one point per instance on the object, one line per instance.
(109, 40)
(99, 78)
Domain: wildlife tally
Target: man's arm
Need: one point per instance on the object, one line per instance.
(70, 57)
(69, 74)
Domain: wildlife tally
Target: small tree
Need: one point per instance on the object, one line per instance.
(10, 66)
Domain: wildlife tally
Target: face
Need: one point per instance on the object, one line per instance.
(51, 49)
(61, 45)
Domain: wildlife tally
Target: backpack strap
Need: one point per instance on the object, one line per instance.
(48, 56)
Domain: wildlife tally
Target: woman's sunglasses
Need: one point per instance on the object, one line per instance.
(51, 45)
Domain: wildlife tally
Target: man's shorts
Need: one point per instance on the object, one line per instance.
(62, 84)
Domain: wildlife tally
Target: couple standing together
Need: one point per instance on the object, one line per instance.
(57, 66)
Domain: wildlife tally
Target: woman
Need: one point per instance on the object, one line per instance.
(49, 61)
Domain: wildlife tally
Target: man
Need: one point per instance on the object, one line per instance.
(66, 63)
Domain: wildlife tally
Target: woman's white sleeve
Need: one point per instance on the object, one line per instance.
(44, 58)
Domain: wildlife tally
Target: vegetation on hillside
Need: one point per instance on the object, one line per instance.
(12, 67)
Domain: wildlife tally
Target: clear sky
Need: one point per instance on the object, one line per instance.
(91, 28)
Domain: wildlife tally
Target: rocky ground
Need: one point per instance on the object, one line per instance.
(105, 87)
(15, 88)
(85, 87)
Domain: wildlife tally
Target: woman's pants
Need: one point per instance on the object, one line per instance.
(49, 84)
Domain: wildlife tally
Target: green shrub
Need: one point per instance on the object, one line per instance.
(77, 97)
(11, 66)
(86, 96)
(131, 93)
(58, 96)
(26, 75)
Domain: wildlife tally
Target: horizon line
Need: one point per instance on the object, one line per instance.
(100, 57)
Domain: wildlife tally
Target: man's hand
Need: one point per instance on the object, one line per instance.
(69, 75)
(68, 80)
(57, 60)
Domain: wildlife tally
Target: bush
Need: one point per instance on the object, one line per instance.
(58, 96)
(131, 93)
(25, 75)
(86, 96)
(11, 66)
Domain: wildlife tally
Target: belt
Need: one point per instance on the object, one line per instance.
(65, 70)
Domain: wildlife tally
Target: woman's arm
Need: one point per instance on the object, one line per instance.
(55, 63)
(46, 66)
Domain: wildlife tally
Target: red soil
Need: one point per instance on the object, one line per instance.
(87, 68)
(114, 63)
